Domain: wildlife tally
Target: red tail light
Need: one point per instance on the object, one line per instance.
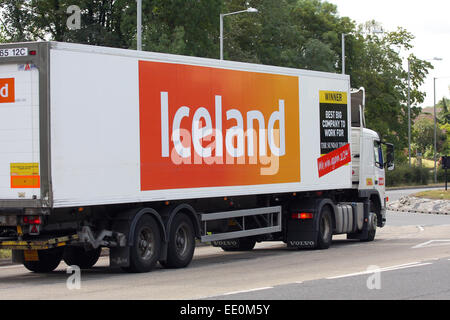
(302, 215)
(31, 220)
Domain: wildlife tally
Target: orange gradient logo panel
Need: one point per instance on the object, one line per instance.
(7, 94)
(210, 127)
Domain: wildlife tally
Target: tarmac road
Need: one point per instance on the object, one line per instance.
(412, 252)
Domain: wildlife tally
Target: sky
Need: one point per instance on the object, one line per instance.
(428, 21)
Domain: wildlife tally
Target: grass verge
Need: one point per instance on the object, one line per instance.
(5, 254)
(439, 194)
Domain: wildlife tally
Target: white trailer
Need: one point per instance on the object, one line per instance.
(144, 152)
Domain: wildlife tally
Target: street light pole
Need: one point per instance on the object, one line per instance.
(250, 10)
(343, 53)
(409, 111)
(139, 25)
(435, 131)
(221, 36)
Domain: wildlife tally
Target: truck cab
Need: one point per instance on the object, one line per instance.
(369, 161)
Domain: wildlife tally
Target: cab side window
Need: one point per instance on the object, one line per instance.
(378, 154)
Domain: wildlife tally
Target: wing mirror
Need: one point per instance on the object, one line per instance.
(389, 156)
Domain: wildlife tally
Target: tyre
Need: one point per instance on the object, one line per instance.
(372, 228)
(48, 260)
(146, 248)
(78, 256)
(241, 245)
(325, 233)
(181, 242)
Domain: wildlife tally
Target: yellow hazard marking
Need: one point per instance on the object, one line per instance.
(31, 255)
(335, 97)
(24, 169)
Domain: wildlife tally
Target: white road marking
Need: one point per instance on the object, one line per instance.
(245, 291)
(420, 228)
(398, 267)
(11, 267)
(444, 242)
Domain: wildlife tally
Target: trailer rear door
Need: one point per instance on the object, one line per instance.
(19, 130)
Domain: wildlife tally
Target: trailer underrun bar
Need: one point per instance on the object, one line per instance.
(38, 244)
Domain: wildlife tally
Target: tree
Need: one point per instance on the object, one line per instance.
(290, 33)
(444, 112)
(378, 67)
(189, 27)
(444, 124)
(101, 22)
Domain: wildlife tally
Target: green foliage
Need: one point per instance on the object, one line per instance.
(405, 175)
(299, 34)
(441, 175)
(378, 67)
(423, 137)
(444, 111)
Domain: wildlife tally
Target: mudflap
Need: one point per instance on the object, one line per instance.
(306, 241)
(119, 257)
(17, 256)
(301, 234)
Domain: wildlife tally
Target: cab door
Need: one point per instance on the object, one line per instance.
(379, 173)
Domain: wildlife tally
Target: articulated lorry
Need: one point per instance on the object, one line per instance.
(148, 153)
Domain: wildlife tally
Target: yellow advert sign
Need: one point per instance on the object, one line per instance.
(24, 169)
(334, 97)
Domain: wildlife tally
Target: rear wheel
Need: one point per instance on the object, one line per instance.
(146, 248)
(181, 242)
(48, 260)
(325, 234)
(78, 256)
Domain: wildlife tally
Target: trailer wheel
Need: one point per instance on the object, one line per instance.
(181, 242)
(325, 233)
(242, 245)
(146, 248)
(48, 260)
(80, 257)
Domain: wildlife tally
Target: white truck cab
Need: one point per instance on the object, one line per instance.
(367, 149)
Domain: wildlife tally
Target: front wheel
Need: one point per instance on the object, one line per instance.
(372, 228)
